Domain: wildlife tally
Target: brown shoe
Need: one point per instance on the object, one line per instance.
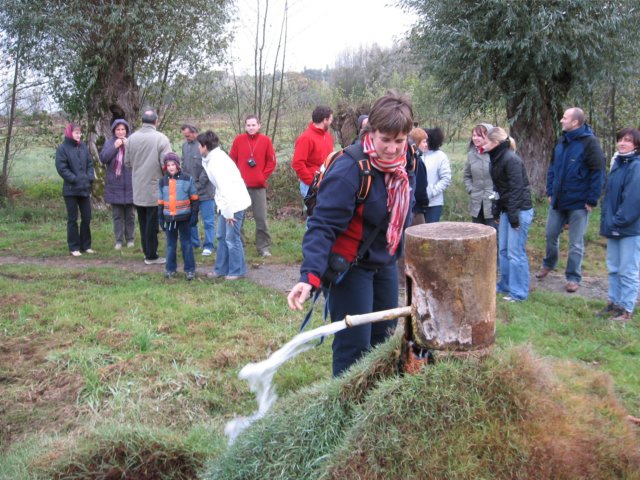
(571, 287)
(543, 272)
(611, 310)
(624, 317)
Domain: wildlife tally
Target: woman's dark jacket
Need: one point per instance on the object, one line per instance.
(621, 204)
(511, 182)
(422, 199)
(339, 225)
(118, 190)
(75, 166)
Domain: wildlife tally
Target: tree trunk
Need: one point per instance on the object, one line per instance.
(120, 99)
(4, 178)
(535, 139)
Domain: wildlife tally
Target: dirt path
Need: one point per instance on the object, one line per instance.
(282, 277)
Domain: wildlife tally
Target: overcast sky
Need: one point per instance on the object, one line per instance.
(318, 30)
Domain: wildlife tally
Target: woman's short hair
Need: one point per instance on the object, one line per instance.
(209, 140)
(417, 135)
(499, 135)
(392, 113)
(435, 138)
(633, 133)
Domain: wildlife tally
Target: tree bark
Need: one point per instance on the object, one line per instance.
(4, 178)
(535, 139)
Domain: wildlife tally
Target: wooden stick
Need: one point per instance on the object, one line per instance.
(355, 320)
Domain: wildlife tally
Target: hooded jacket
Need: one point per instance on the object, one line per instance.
(311, 150)
(178, 197)
(75, 165)
(576, 173)
(621, 204)
(511, 182)
(118, 189)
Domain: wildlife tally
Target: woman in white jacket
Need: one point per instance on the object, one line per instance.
(231, 199)
(438, 174)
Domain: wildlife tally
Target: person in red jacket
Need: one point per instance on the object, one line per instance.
(312, 147)
(255, 157)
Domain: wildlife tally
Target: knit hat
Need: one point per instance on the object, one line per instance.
(171, 157)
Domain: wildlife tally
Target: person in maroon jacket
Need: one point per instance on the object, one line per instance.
(255, 157)
(312, 147)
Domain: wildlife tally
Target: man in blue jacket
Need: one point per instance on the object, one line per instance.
(574, 183)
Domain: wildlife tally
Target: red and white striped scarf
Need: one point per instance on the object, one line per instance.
(397, 183)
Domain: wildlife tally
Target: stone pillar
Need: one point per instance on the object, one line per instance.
(451, 286)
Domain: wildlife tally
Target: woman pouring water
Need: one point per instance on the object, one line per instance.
(354, 279)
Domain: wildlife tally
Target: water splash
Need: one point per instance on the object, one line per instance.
(260, 375)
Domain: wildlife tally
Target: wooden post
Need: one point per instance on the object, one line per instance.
(451, 286)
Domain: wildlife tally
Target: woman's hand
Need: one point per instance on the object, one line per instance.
(230, 221)
(298, 295)
(120, 142)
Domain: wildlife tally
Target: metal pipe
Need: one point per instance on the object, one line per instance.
(355, 320)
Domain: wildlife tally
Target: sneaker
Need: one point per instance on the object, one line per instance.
(233, 277)
(623, 317)
(509, 299)
(571, 287)
(155, 261)
(169, 275)
(191, 276)
(75, 253)
(89, 250)
(130, 244)
(266, 253)
(206, 252)
(543, 272)
(611, 310)
(213, 275)
(118, 246)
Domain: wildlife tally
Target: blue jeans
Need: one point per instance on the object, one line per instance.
(184, 231)
(433, 214)
(230, 253)
(304, 188)
(514, 264)
(578, 221)
(623, 263)
(208, 214)
(362, 291)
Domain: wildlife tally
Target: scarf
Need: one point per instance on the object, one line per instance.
(397, 183)
(119, 158)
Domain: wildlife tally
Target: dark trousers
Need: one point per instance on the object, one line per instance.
(78, 240)
(148, 221)
(362, 291)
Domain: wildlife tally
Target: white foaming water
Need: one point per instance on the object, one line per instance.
(259, 375)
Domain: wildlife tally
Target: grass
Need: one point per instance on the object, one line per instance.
(107, 359)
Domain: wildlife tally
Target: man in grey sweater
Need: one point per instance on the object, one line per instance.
(144, 154)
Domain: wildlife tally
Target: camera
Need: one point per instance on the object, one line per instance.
(251, 162)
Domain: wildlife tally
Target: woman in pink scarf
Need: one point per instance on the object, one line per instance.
(118, 190)
(357, 279)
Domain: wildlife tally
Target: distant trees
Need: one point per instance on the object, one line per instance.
(530, 58)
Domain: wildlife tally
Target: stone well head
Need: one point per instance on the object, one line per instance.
(451, 285)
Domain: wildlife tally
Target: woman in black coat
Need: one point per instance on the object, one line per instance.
(513, 211)
(118, 189)
(75, 166)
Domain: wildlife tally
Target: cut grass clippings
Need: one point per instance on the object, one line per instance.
(513, 415)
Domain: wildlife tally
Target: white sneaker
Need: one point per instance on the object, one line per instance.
(75, 253)
(266, 253)
(157, 261)
(206, 252)
(130, 244)
(118, 246)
